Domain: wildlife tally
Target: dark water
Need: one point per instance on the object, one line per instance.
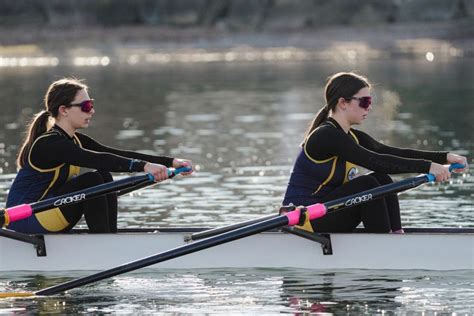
(241, 123)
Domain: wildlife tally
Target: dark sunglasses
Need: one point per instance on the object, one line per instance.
(86, 106)
(364, 102)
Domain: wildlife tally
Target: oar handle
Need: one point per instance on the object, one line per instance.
(454, 166)
(174, 172)
(171, 173)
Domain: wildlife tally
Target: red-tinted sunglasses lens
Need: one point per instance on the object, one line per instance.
(365, 102)
(87, 106)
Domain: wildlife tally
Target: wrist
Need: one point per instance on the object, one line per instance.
(176, 163)
(449, 156)
(137, 165)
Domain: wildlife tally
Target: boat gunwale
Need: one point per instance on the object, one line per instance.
(171, 229)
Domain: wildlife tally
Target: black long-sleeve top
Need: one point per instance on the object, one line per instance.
(59, 147)
(330, 156)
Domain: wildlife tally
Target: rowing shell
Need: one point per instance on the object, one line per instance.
(422, 248)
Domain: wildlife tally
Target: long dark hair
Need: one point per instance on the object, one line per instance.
(340, 85)
(61, 92)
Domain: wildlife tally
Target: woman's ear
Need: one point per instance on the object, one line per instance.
(341, 104)
(62, 110)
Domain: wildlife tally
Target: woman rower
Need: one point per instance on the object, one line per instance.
(325, 168)
(52, 154)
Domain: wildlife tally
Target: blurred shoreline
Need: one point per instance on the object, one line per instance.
(366, 29)
(24, 46)
(386, 37)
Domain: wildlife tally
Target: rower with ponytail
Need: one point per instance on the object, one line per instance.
(326, 167)
(52, 154)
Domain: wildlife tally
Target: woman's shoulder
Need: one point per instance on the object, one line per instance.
(324, 130)
(357, 131)
(47, 142)
(81, 135)
(323, 134)
(48, 136)
(360, 135)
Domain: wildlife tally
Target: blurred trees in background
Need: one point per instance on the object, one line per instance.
(230, 14)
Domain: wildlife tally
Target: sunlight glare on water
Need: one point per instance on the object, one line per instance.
(259, 291)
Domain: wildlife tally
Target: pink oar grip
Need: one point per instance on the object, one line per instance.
(19, 212)
(314, 211)
(293, 217)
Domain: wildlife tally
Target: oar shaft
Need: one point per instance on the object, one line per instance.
(75, 197)
(220, 230)
(289, 219)
(384, 190)
(170, 254)
(376, 193)
(23, 211)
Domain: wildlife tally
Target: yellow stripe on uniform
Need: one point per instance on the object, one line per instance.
(73, 171)
(331, 174)
(52, 220)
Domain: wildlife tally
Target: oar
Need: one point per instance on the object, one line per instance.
(289, 219)
(16, 213)
(333, 205)
(220, 230)
(171, 173)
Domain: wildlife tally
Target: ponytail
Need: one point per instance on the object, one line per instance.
(37, 126)
(320, 117)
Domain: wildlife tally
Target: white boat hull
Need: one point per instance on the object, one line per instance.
(434, 250)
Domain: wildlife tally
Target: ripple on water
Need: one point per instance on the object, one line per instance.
(265, 291)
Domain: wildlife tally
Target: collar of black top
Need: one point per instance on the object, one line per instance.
(61, 131)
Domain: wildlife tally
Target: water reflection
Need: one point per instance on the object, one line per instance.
(254, 291)
(353, 52)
